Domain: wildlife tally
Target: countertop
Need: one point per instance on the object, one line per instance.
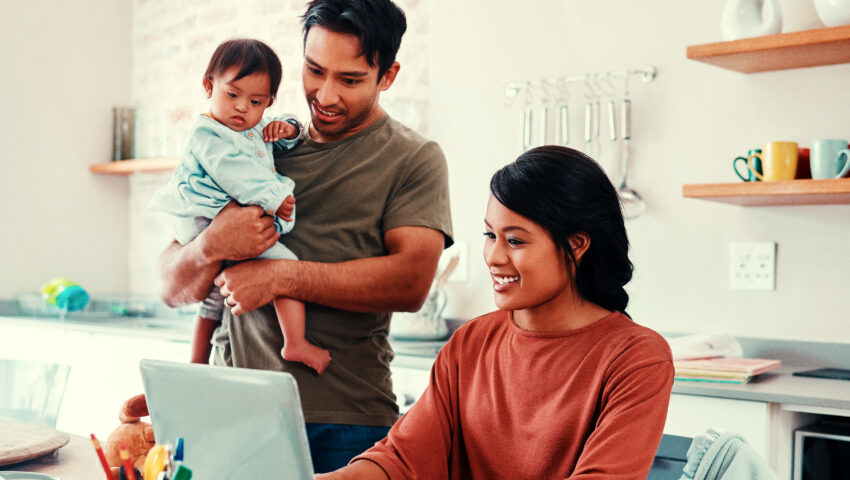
(778, 386)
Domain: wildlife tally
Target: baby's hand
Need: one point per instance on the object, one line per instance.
(286, 208)
(277, 129)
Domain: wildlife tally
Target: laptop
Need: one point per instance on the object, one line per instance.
(236, 423)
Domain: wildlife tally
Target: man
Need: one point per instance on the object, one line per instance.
(373, 218)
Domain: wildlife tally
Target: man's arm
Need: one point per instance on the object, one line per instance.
(186, 272)
(398, 281)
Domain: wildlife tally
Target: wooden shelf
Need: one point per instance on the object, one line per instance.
(126, 167)
(788, 192)
(807, 48)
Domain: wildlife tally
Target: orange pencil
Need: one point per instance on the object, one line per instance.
(102, 458)
(129, 473)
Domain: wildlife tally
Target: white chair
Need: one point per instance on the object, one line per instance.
(32, 391)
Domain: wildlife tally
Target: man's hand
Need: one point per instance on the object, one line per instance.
(238, 233)
(277, 129)
(245, 285)
(286, 208)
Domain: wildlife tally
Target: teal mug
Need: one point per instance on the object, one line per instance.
(829, 158)
(749, 177)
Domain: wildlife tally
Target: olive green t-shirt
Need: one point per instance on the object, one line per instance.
(349, 193)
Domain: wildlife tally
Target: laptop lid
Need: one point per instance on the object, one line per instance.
(236, 423)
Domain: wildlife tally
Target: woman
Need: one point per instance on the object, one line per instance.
(559, 382)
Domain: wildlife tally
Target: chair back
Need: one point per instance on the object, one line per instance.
(32, 391)
(670, 459)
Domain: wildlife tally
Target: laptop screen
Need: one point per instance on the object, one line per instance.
(235, 423)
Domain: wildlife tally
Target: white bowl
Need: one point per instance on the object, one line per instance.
(833, 13)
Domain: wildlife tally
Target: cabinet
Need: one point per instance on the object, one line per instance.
(138, 165)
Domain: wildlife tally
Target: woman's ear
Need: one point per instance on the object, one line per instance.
(579, 243)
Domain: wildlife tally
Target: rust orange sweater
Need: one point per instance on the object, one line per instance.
(508, 403)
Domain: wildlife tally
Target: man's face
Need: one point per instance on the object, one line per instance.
(341, 87)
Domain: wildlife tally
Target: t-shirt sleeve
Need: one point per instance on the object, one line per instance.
(631, 421)
(422, 196)
(420, 443)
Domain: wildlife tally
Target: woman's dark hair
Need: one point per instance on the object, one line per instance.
(378, 24)
(566, 192)
(250, 56)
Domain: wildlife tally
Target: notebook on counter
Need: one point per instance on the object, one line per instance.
(236, 423)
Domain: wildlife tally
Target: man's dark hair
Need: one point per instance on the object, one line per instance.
(378, 24)
(249, 56)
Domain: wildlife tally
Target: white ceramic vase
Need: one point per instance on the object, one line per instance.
(833, 13)
(750, 18)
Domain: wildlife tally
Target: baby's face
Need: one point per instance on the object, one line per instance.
(239, 104)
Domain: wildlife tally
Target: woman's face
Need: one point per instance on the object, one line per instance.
(527, 267)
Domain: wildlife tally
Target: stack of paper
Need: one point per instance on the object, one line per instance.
(723, 370)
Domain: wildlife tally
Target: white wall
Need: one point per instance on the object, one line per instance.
(65, 65)
(688, 126)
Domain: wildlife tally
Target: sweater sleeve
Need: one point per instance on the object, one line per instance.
(419, 445)
(239, 174)
(633, 409)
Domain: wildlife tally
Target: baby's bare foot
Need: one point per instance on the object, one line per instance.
(314, 357)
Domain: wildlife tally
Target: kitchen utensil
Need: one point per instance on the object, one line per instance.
(428, 323)
(25, 441)
(588, 114)
(829, 158)
(632, 202)
(526, 127)
(443, 277)
(9, 475)
(778, 161)
(749, 177)
(612, 121)
(544, 124)
(564, 125)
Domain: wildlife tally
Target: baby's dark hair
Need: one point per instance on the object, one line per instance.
(250, 56)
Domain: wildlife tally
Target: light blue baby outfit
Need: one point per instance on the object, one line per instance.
(220, 165)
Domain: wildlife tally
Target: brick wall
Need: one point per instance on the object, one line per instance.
(172, 43)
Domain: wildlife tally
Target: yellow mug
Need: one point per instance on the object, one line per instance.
(778, 161)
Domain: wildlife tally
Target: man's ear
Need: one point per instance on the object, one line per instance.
(579, 242)
(208, 87)
(271, 101)
(389, 77)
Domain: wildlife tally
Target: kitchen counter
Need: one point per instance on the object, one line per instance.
(75, 461)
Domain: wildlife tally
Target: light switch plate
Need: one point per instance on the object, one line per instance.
(752, 265)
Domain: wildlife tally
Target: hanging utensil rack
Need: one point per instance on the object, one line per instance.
(646, 74)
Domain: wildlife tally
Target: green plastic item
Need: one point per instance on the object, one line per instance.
(182, 472)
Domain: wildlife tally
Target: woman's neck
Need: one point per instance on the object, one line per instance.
(562, 316)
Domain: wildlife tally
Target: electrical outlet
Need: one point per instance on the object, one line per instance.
(459, 274)
(752, 265)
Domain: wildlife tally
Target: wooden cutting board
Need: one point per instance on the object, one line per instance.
(20, 441)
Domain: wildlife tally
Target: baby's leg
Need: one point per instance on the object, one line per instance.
(209, 317)
(296, 348)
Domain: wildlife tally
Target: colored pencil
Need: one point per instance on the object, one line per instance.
(102, 458)
(129, 473)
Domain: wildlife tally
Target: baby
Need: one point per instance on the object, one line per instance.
(227, 159)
